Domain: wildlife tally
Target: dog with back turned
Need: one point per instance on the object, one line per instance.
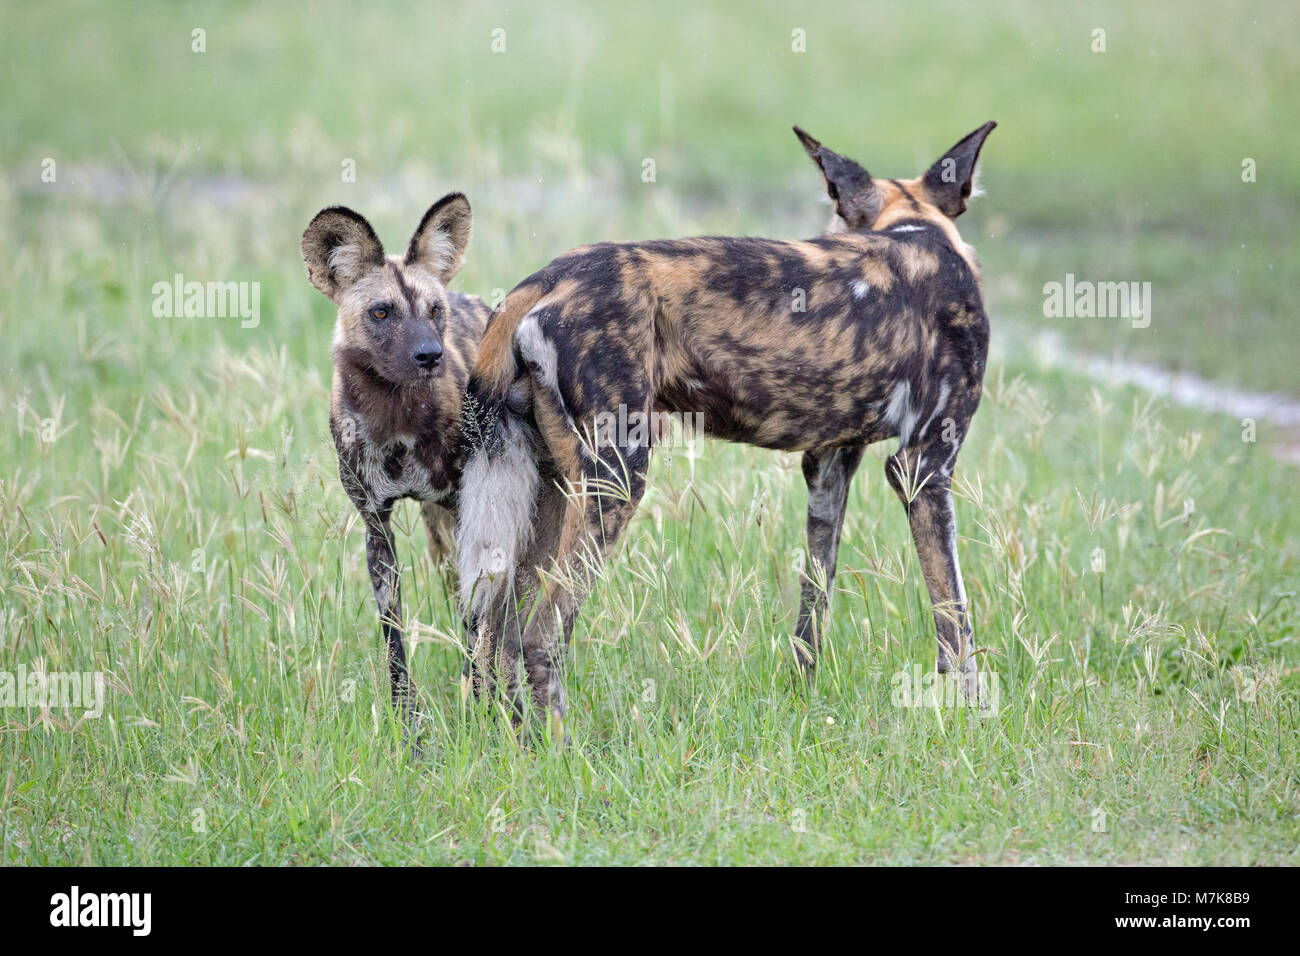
(874, 330)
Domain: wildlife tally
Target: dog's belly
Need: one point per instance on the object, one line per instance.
(794, 381)
(793, 414)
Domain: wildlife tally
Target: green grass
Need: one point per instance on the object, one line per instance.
(185, 534)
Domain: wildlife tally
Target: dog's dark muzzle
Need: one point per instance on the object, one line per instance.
(427, 355)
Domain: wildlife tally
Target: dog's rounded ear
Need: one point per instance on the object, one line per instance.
(950, 181)
(855, 194)
(440, 240)
(339, 247)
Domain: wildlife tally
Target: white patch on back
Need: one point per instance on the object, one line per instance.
(859, 288)
(906, 228)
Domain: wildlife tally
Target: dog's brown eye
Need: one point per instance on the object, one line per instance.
(379, 314)
(436, 309)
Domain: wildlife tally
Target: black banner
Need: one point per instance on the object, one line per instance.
(329, 905)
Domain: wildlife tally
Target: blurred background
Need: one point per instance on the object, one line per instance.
(1119, 155)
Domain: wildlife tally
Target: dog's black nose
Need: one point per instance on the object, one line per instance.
(427, 355)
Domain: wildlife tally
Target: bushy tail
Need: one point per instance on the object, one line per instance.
(498, 487)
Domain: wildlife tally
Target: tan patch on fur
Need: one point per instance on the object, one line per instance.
(496, 360)
(877, 275)
(918, 263)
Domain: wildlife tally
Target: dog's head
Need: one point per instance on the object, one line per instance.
(864, 203)
(392, 311)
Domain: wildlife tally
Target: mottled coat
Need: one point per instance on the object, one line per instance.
(403, 349)
(875, 330)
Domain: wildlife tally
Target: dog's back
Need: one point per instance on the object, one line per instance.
(781, 344)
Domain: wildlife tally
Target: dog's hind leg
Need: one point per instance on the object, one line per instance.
(511, 612)
(606, 480)
(440, 529)
(828, 474)
(440, 526)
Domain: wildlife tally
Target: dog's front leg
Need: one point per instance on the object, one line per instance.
(828, 474)
(927, 496)
(386, 579)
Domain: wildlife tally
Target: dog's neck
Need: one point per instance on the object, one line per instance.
(403, 441)
(895, 215)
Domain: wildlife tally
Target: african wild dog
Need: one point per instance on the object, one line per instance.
(874, 330)
(403, 348)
